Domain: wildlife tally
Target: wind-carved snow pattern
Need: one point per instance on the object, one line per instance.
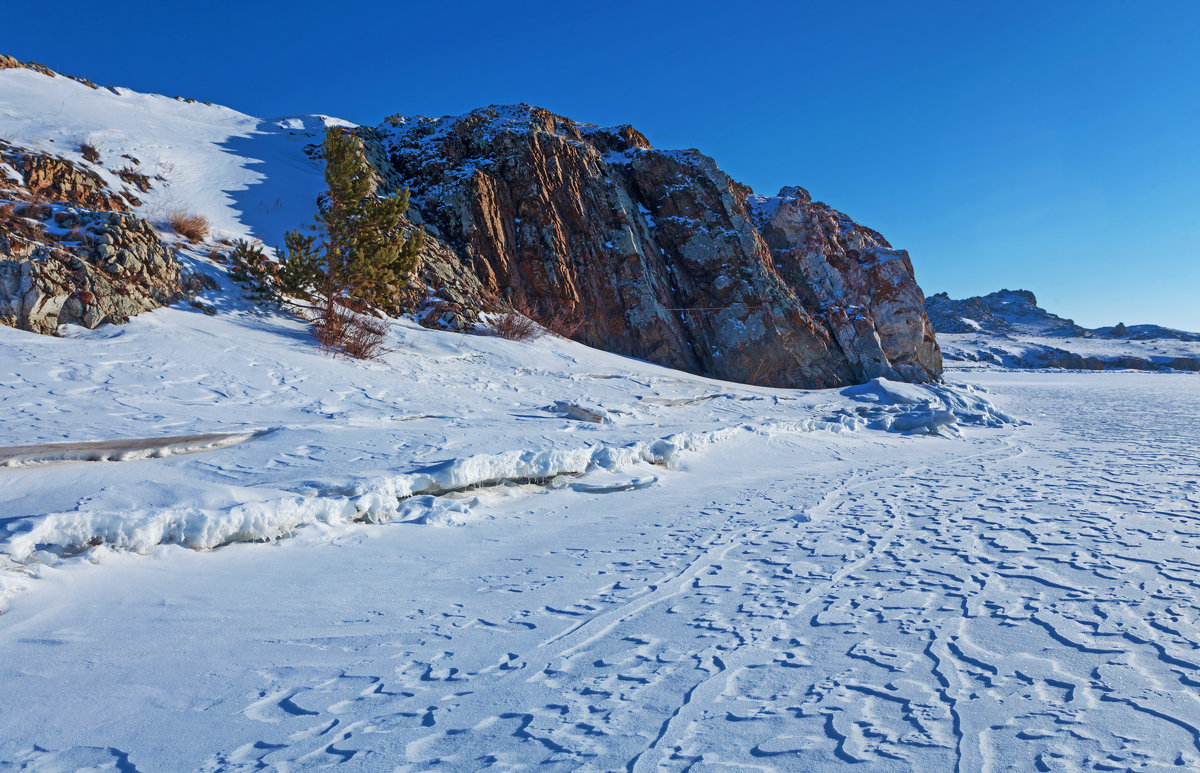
(415, 497)
(978, 604)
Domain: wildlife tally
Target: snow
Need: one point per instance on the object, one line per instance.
(989, 350)
(247, 176)
(804, 601)
(477, 553)
(350, 442)
(1014, 332)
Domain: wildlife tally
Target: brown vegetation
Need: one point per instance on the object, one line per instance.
(514, 327)
(89, 153)
(561, 322)
(523, 323)
(134, 178)
(194, 228)
(34, 210)
(340, 330)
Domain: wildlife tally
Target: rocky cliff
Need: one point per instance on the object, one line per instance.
(662, 255)
(659, 254)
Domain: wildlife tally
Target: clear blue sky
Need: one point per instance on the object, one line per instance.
(1052, 146)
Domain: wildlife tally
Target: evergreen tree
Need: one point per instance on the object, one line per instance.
(357, 253)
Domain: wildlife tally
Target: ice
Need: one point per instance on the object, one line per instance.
(119, 450)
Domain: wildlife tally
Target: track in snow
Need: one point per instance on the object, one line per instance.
(1023, 601)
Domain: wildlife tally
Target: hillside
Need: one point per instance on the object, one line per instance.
(1008, 329)
(659, 254)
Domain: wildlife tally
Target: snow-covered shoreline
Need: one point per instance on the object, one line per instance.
(351, 442)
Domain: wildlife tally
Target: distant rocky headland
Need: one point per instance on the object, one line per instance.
(1008, 328)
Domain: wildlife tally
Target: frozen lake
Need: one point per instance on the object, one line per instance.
(1023, 598)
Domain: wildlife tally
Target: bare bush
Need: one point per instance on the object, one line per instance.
(35, 211)
(340, 330)
(194, 228)
(89, 152)
(514, 326)
(561, 322)
(81, 235)
(134, 178)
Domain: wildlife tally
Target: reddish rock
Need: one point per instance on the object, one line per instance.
(108, 267)
(662, 254)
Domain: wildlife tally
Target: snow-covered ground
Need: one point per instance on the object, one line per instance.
(724, 576)
(1007, 329)
(988, 350)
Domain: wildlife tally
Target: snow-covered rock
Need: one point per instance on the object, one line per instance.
(658, 253)
(1008, 329)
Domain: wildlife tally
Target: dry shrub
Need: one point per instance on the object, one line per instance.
(562, 322)
(89, 152)
(194, 228)
(514, 327)
(135, 178)
(340, 330)
(80, 234)
(523, 323)
(22, 222)
(34, 211)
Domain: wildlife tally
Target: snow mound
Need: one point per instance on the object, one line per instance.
(409, 497)
(420, 496)
(925, 408)
(424, 496)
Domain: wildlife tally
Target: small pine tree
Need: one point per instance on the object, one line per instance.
(358, 253)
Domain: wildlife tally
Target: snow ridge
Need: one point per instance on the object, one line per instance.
(419, 496)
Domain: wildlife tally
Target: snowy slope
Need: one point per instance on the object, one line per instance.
(305, 440)
(249, 177)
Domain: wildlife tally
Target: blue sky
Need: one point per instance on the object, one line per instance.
(1048, 146)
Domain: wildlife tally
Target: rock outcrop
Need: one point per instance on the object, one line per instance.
(70, 251)
(662, 255)
(1003, 311)
(1008, 328)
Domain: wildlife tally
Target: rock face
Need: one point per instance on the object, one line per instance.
(71, 253)
(662, 255)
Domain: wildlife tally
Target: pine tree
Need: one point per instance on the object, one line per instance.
(356, 256)
(358, 253)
